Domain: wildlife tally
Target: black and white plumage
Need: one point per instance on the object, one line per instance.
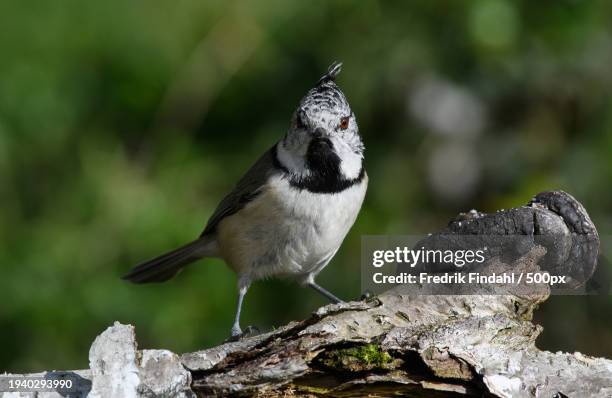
(290, 212)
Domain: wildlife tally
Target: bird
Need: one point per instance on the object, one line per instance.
(290, 212)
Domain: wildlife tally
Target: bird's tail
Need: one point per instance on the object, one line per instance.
(164, 267)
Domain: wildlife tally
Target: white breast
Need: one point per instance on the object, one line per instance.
(288, 232)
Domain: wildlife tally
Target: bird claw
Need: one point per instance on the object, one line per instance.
(366, 296)
(238, 334)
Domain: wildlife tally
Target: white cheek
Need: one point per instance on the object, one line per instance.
(350, 162)
(292, 154)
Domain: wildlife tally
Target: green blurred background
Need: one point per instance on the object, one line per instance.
(122, 124)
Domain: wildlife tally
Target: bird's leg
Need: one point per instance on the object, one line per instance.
(324, 292)
(243, 286)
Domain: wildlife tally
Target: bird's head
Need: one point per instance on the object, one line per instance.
(323, 125)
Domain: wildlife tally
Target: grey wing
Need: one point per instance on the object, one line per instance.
(248, 187)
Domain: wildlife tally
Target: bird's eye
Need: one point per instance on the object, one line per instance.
(344, 122)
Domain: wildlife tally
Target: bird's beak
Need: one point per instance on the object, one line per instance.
(319, 132)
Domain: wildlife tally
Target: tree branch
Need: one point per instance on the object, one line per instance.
(416, 345)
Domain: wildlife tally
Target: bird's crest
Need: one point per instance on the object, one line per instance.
(333, 71)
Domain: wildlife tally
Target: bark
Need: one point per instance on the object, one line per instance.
(391, 344)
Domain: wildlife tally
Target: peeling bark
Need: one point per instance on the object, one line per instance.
(392, 344)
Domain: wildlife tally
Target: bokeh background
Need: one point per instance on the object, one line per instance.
(122, 124)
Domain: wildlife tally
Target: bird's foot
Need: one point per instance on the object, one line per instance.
(239, 334)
